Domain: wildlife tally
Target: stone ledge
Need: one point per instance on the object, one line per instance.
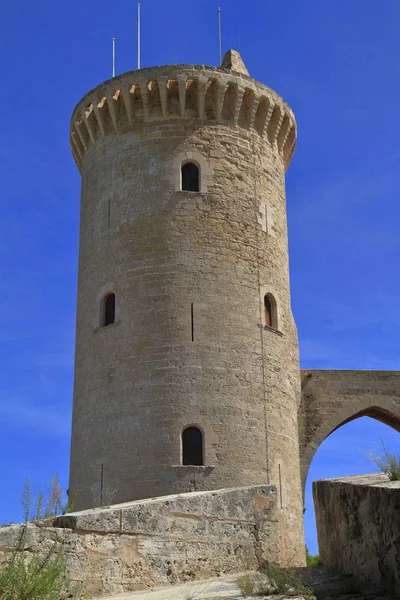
(371, 479)
(159, 541)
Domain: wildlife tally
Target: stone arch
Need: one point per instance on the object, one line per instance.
(331, 399)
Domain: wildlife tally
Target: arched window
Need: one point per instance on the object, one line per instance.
(192, 447)
(109, 309)
(190, 177)
(271, 319)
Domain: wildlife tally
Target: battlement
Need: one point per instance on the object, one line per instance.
(182, 92)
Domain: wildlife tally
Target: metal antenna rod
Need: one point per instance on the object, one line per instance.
(113, 57)
(219, 36)
(138, 35)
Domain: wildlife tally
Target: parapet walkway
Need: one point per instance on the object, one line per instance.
(326, 585)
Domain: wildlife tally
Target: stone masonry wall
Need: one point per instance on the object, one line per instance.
(154, 542)
(358, 521)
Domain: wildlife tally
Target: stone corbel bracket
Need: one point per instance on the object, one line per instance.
(204, 95)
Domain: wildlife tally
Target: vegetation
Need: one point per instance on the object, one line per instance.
(388, 462)
(273, 580)
(312, 560)
(41, 576)
(34, 577)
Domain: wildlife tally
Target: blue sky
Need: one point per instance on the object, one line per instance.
(336, 63)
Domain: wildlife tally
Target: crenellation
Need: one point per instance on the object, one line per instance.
(81, 134)
(87, 119)
(145, 96)
(289, 144)
(219, 100)
(99, 116)
(283, 132)
(182, 95)
(275, 124)
(127, 99)
(254, 109)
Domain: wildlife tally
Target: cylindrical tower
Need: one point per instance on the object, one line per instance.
(186, 368)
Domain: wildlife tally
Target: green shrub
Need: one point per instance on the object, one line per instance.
(247, 584)
(312, 560)
(32, 576)
(40, 507)
(273, 580)
(388, 462)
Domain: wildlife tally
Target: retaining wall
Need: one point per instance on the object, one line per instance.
(358, 522)
(153, 542)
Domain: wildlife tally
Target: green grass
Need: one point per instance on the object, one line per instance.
(388, 462)
(33, 577)
(36, 575)
(312, 560)
(272, 581)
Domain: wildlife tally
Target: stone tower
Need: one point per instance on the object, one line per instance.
(184, 317)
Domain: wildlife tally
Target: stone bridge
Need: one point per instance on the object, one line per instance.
(332, 398)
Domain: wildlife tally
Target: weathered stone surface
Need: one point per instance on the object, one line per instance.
(323, 583)
(234, 62)
(358, 521)
(167, 540)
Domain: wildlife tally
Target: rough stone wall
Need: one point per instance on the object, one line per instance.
(155, 542)
(168, 254)
(332, 398)
(358, 522)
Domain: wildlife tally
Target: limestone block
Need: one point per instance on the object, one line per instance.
(358, 521)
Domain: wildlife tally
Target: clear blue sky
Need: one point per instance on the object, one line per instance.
(337, 64)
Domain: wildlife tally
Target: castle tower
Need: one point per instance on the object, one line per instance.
(186, 368)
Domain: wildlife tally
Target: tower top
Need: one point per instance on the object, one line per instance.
(227, 95)
(234, 62)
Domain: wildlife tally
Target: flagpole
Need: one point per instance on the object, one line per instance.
(138, 35)
(113, 56)
(219, 36)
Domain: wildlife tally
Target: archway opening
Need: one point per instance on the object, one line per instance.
(347, 451)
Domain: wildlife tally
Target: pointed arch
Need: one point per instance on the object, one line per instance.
(331, 399)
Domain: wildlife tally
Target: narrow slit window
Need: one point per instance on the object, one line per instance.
(270, 314)
(190, 178)
(109, 309)
(192, 447)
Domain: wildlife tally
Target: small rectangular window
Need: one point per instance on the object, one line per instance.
(190, 178)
